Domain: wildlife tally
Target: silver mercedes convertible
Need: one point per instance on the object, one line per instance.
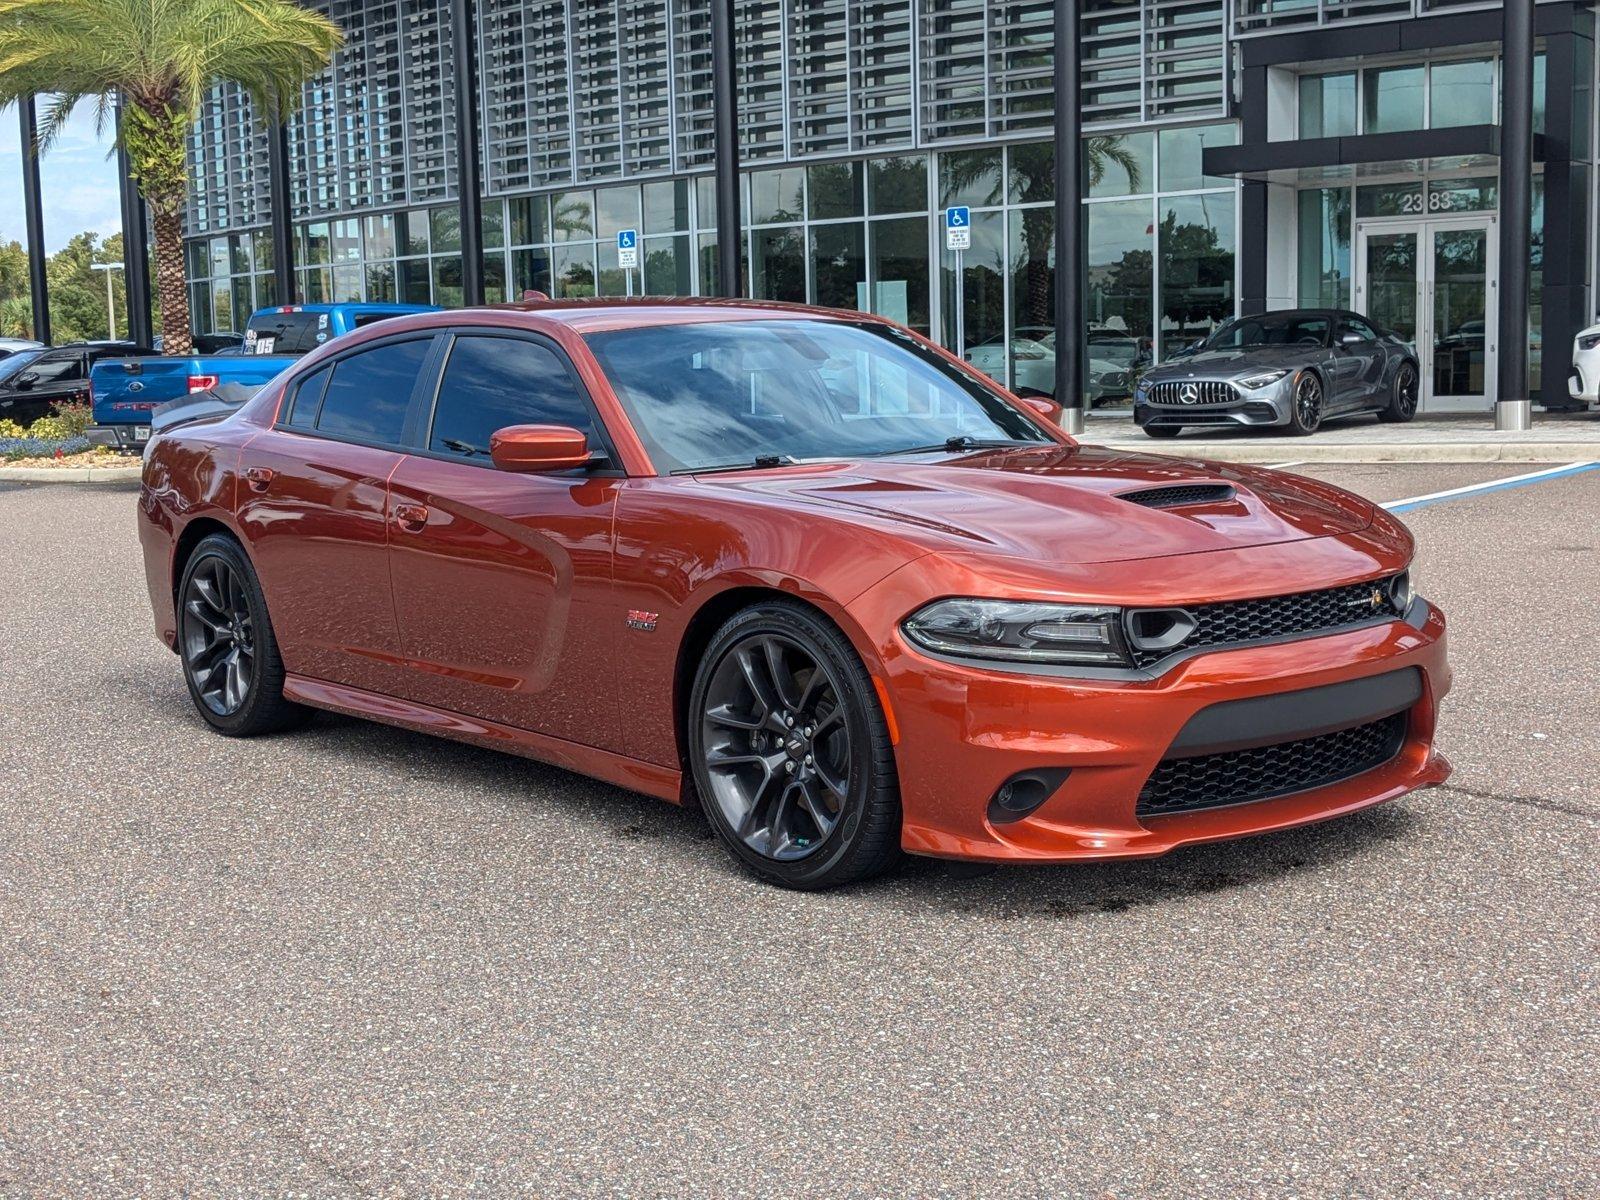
(1290, 369)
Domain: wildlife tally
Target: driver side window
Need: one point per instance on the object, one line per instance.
(1358, 327)
(492, 382)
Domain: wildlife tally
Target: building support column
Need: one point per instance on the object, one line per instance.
(282, 213)
(135, 250)
(1071, 327)
(1253, 248)
(1513, 407)
(469, 185)
(725, 125)
(33, 222)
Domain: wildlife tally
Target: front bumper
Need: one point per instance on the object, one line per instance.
(1584, 382)
(1263, 407)
(129, 439)
(964, 732)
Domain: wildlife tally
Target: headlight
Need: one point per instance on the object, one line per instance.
(1589, 341)
(1021, 631)
(1251, 382)
(1404, 588)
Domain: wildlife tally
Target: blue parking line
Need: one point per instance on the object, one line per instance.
(1494, 485)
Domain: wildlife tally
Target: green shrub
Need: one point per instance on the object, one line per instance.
(75, 418)
(10, 429)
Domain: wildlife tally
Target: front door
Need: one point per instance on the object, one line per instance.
(1432, 282)
(502, 581)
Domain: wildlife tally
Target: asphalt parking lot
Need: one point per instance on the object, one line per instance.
(356, 961)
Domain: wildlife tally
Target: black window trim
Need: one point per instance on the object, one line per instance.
(612, 467)
(427, 381)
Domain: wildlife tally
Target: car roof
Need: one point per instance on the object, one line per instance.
(597, 315)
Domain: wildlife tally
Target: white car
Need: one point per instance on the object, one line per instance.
(9, 346)
(1033, 356)
(1584, 383)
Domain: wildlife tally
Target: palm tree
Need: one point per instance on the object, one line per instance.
(160, 57)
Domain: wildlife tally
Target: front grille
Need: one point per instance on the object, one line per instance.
(1177, 497)
(1187, 393)
(1296, 615)
(1240, 776)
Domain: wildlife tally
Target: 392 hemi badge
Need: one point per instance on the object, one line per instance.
(644, 622)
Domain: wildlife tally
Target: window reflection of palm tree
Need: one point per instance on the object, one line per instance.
(1033, 175)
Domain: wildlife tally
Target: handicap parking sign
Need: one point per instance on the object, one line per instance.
(958, 227)
(628, 248)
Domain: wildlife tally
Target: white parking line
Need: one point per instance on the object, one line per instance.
(1492, 485)
(1281, 466)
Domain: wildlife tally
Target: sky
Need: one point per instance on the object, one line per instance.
(78, 181)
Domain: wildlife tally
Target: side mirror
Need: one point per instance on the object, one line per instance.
(536, 448)
(25, 381)
(1350, 338)
(1041, 406)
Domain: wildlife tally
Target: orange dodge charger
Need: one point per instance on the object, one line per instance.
(800, 567)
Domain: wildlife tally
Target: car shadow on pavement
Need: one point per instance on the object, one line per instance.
(1063, 891)
(1083, 890)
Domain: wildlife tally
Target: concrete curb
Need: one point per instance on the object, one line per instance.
(1302, 450)
(69, 474)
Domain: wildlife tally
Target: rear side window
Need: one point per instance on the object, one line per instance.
(307, 399)
(369, 392)
(492, 382)
(284, 333)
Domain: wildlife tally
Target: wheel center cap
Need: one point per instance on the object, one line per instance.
(796, 745)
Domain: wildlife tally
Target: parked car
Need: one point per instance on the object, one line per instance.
(126, 393)
(10, 346)
(56, 376)
(856, 597)
(1033, 356)
(1584, 382)
(1290, 370)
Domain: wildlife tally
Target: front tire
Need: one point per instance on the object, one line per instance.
(1402, 404)
(790, 751)
(1306, 405)
(225, 640)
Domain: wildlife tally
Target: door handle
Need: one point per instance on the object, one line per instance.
(259, 478)
(411, 517)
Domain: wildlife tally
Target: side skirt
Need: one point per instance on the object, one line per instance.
(663, 783)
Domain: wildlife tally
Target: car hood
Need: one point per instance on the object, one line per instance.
(1064, 504)
(1226, 364)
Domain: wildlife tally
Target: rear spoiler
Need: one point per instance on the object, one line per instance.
(213, 402)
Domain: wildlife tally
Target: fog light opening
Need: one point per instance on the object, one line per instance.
(1024, 792)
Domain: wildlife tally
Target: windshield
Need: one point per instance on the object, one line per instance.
(1271, 329)
(14, 364)
(724, 394)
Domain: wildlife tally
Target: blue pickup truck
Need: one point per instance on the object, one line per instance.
(125, 391)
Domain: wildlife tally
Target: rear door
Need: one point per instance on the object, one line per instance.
(313, 502)
(502, 581)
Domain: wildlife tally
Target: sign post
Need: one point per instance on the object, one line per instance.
(628, 255)
(958, 238)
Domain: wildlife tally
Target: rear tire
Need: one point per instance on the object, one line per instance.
(1163, 431)
(790, 751)
(1402, 404)
(225, 641)
(1306, 405)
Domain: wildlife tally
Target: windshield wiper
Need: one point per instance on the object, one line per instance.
(961, 442)
(461, 447)
(759, 463)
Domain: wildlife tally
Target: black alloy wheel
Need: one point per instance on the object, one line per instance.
(790, 751)
(225, 639)
(1402, 404)
(1305, 404)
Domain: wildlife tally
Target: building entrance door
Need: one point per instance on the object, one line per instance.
(1432, 281)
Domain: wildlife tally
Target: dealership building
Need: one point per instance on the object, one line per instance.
(1237, 156)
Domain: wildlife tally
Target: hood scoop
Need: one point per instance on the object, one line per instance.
(1180, 496)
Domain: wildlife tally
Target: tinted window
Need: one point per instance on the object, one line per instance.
(284, 333)
(303, 410)
(56, 368)
(370, 391)
(1360, 328)
(1271, 329)
(492, 382)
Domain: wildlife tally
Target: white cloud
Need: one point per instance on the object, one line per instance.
(78, 181)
